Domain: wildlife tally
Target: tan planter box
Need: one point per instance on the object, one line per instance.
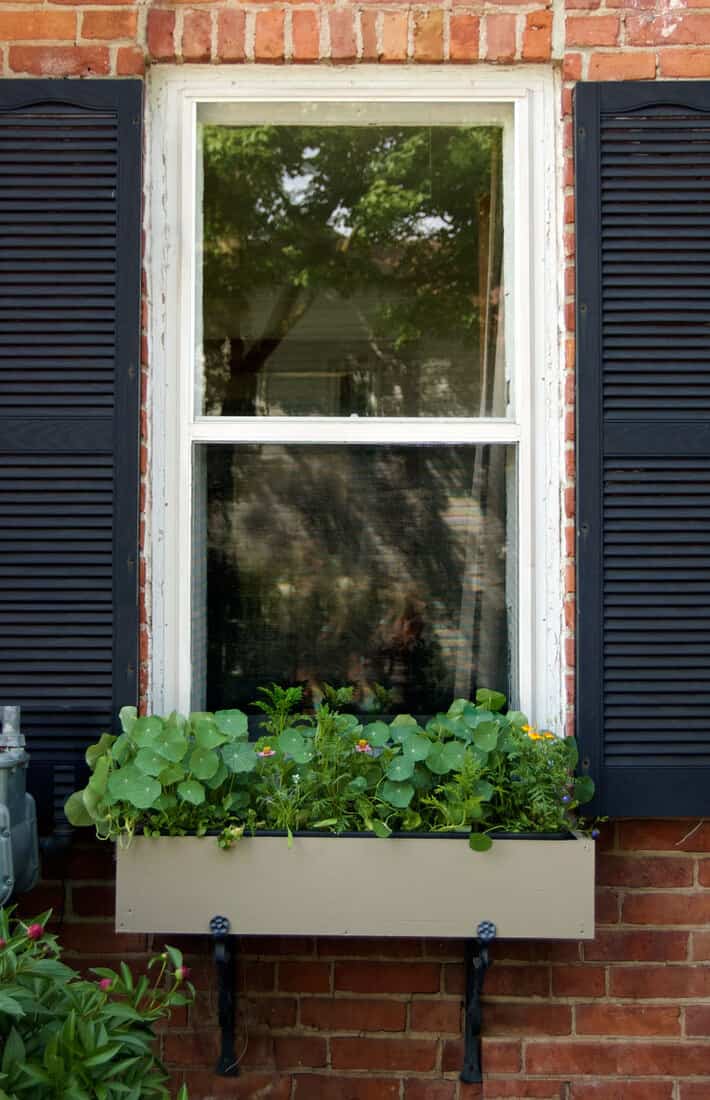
(358, 886)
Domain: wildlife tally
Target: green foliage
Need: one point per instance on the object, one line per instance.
(474, 768)
(65, 1038)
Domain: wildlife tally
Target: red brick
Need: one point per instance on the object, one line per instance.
(300, 1052)
(418, 1055)
(197, 36)
(697, 1020)
(304, 977)
(623, 870)
(93, 901)
(368, 29)
(100, 939)
(506, 1018)
(592, 30)
(620, 1020)
(578, 981)
(429, 1090)
(191, 1048)
(109, 24)
(622, 65)
(694, 1090)
(387, 977)
(518, 1089)
(230, 35)
(269, 38)
(610, 945)
(312, 1087)
(429, 36)
(700, 946)
(367, 947)
(572, 66)
(34, 26)
(204, 1083)
(341, 1014)
(674, 28)
(518, 981)
(161, 32)
(306, 36)
(621, 1090)
(604, 1059)
(660, 981)
(664, 836)
(464, 35)
(439, 1016)
(259, 977)
(130, 61)
(607, 907)
(273, 1012)
(685, 63)
(500, 30)
(394, 36)
(666, 909)
(342, 35)
(537, 36)
(497, 1056)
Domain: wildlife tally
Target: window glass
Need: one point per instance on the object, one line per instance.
(352, 271)
(380, 566)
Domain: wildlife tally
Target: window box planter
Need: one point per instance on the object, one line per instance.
(359, 885)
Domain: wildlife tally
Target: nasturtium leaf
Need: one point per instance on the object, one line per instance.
(493, 700)
(236, 800)
(167, 801)
(377, 733)
(171, 773)
(401, 768)
(416, 747)
(403, 726)
(485, 736)
(232, 723)
(357, 785)
(345, 723)
(121, 748)
(94, 752)
(146, 730)
(239, 757)
(203, 763)
(218, 778)
(290, 741)
(436, 761)
(304, 755)
(149, 761)
(484, 790)
(171, 743)
(412, 821)
(476, 716)
(583, 788)
(422, 778)
(131, 785)
(99, 780)
(517, 718)
(480, 842)
(76, 812)
(381, 829)
(127, 716)
(457, 708)
(454, 753)
(207, 736)
(191, 791)
(397, 794)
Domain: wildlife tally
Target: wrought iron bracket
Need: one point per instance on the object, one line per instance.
(477, 962)
(224, 957)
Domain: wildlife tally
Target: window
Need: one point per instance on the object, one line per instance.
(353, 325)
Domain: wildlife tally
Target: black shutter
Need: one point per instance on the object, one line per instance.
(70, 157)
(643, 430)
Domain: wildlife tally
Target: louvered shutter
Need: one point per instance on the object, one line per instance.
(643, 430)
(70, 155)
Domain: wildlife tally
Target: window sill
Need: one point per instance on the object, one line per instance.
(359, 886)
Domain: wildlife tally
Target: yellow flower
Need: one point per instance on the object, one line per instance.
(548, 736)
(534, 736)
(527, 729)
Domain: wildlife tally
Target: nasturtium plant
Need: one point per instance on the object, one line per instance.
(476, 769)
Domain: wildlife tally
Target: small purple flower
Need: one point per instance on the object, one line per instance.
(595, 834)
(565, 798)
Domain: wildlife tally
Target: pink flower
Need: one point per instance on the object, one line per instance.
(105, 984)
(267, 751)
(3, 943)
(35, 932)
(363, 746)
(182, 973)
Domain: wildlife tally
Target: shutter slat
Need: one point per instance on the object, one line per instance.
(643, 626)
(69, 344)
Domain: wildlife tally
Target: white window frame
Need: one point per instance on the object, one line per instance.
(533, 342)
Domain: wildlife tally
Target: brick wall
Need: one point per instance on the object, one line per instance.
(623, 1017)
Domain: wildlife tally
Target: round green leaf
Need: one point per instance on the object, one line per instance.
(149, 762)
(583, 788)
(454, 753)
(416, 747)
(207, 736)
(492, 700)
(291, 742)
(397, 794)
(218, 778)
(94, 752)
(99, 780)
(131, 785)
(173, 773)
(485, 736)
(517, 718)
(146, 730)
(403, 726)
(191, 791)
(436, 762)
(381, 829)
(480, 842)
(121, 748)
(172, 746)
(76, 812)
(204, 763)
(127, 716)
(401, 768)
(232, 723)
(239, 757)
(377, 733)
(484, 790)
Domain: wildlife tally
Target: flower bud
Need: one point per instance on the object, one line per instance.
(35, 932)
(106, 984)
(182, 973)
